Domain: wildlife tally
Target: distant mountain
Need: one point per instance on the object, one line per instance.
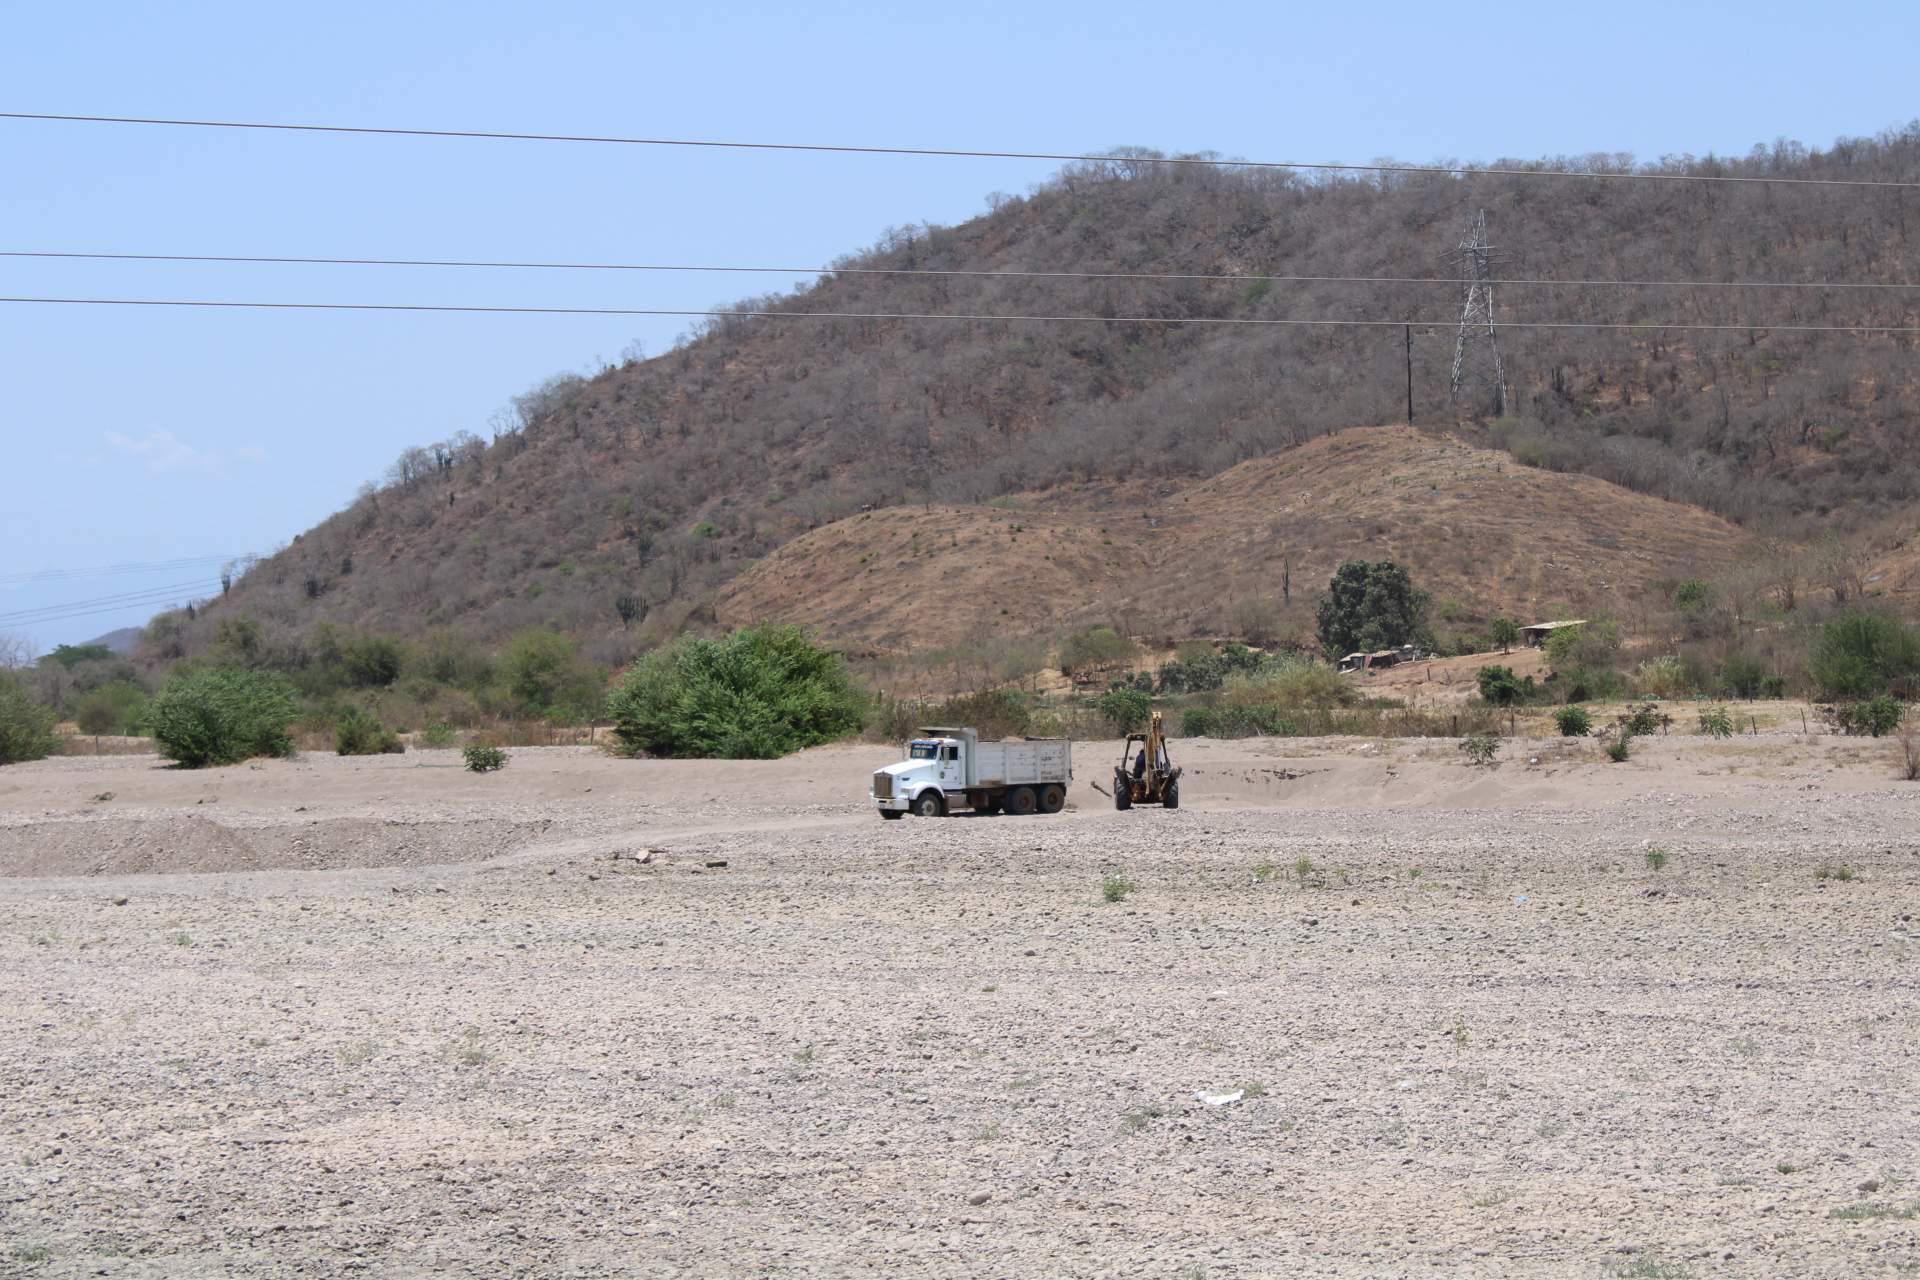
(121, 642)
(654, 485)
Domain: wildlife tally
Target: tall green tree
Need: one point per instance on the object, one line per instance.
(1371, 606)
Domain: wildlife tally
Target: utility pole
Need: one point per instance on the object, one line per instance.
(1475, 259)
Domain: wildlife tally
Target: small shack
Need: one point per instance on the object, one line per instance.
(1540, 632)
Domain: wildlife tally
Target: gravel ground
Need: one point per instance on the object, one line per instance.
(590, 1017)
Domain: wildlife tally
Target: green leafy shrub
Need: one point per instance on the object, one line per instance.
(1504, 632)
(1742, 676)
(1199, 722)
(1126, 708)
(1480, 748)
(1594, 645)
(1869, 718)
(372, 662)
(1716, 722)
(1094, 647)
(222, 715)
(1661, 677)
(482, 758)
(1863, 654)
(1620, 748)
(1501, 688)
(1645, 718)
(1371, 606)
(119, 706)
(541, 672)
(1573, 722)
(359, 734)
(757, 694)
(437, 735)
(26, 727)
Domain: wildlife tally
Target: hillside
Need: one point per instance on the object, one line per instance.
(661, 480)
(1474, 527)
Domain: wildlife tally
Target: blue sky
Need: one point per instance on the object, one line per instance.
(138, 435)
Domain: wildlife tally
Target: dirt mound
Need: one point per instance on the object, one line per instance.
(167, 843)
(1472, 525)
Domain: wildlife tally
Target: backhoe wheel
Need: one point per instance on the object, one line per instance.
(1053, 798)
(892, 814)
(1171, 797)
(1021, 801)
(1122, 792)
(929, 805)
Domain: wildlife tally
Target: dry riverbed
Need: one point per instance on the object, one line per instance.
(590, 1017)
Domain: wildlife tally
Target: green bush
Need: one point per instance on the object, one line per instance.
(221, 715)
(359, 734)
(1863, 654)
(1620, 748)
(1742, 676)
(437, 735)
(1501, 688)
(372, 662)
(1480, 748)
(119, 706)
(482, 758)
(1594, 644)
(757, 694)
(1094, 647)
(1664, 677)
(1869, 718)
(1199, 722)
(1716, 722)
(1573, 722)
(541, 672)
(1371, 606)
(1126, 708)
(26, 727)
(1645, 718)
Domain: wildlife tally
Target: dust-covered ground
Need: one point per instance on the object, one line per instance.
(591, 1017)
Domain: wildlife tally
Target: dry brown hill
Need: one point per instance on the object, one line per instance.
(1471, 524)
(655, 483)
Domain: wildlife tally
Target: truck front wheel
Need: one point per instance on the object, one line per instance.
(929, 804)
(1021, 801)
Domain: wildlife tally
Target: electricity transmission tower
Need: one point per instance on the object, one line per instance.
(1476, 352)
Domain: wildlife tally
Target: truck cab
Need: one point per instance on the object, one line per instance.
(947, 768)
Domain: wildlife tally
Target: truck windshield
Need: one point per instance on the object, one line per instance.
(924, 750)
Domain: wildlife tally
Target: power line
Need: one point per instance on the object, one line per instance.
(940, 152)
(1322, 322)
(127, 599)
(1450, 281)
(114, 570)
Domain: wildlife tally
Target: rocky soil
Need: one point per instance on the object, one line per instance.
(590, 1017)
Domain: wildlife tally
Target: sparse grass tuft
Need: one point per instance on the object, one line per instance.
(806, 1057)
(987, 1132)
(1620, 748)
(1480, 748)
(468, 1051)
(1656, 858)
(358, 1052)
(31, 1253)
(1265, 872)
(1302, 868)
(1746, 1047)
(1459, 1033)
(1649, 1268)
(180, 938)
(1254, 1089)
(1490, 1198)
(1867, 1210)
(1833, 871)
(1136, 1121)
(1785, 1167)
(1115, 887)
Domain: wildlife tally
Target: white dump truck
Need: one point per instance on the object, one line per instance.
(948, 769)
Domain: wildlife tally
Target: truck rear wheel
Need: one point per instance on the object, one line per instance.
(929, 804)
(1022, 801)
(1053, 798)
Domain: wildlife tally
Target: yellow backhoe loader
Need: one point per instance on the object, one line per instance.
(1144, 774)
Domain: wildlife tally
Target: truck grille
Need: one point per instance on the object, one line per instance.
(883, 786)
